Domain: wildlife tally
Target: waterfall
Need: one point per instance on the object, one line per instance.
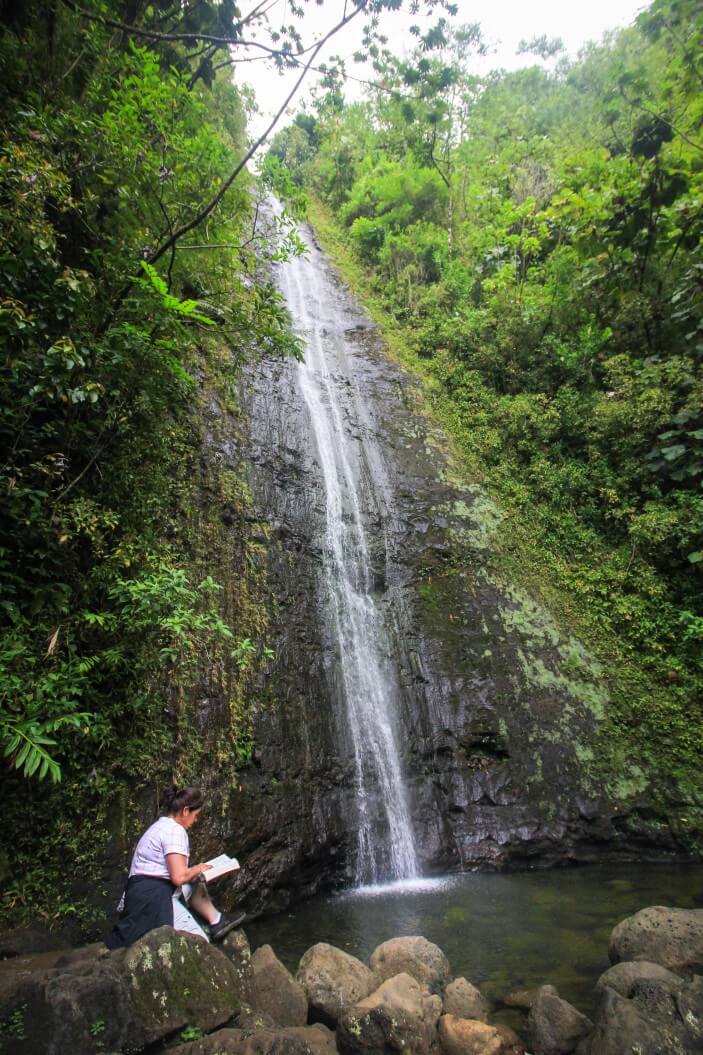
(367, 677)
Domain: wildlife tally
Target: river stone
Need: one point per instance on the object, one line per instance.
(671, 937)
(318, 1038)
(554, 1027)
(243, 1042)
(413, 955)
(275, 990)
(252, 1020)
(525, 998)
(379, 1031)
(622, 977)
(463, 1036)
(621, 1026)
(175, 979)
(398, 1015)
(134, 997)
(464, 1000)
(512, 1045)
(333, 980)
(236, 948)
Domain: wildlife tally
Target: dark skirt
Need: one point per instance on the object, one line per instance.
(148, 904)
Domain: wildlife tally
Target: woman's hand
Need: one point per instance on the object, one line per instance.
(179, 871)
(197, 870)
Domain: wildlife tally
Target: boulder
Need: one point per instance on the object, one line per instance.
(464, 1000)
(554, 1027)
(622, 977)
(319, 1039)
(236, 948)
(512, 1045)
(523, 999)
(333, 981)
(24, 941)
(379, 1031)
(243, 1042)
(463, 1036)
(671, 937)
(275, 990)
(126, 999)
(415, 956)
(252, 1020)
(399, 1015)
(621, 1026)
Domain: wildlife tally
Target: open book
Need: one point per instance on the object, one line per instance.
(220, 867)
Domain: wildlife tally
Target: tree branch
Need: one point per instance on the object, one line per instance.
(207, 38)
(215, 201)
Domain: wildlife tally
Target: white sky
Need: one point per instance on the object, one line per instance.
(504, 24)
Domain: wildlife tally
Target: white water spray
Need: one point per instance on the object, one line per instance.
(385, 843)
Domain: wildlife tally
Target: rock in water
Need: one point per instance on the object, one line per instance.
(660, 1016)
(275, 990)
(398, 1016)
(415, 956)
(333, 981)
(464, 1000)
(462, 1036)
(554, 1027)
(671, 937)
(379, 1031)
(623, 977)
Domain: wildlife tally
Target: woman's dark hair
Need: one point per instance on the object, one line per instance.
(173, 801)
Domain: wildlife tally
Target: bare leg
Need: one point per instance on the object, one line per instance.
(201, 903)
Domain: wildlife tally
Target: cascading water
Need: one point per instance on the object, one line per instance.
(367, 678)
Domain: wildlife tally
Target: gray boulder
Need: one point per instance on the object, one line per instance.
(523, 999)
(244, 1042)
(415, 956)
(623, 977)
(236, 948)
(398, 1016)
(319, 1039)
(464, 1000)
(554, 1027)
(124, 999)
(25, 941)
(275, 990)
(671, 937)
(462, 1036)
(333, 981)
(661, 1015)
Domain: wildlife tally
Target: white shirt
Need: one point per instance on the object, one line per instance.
(165, 836)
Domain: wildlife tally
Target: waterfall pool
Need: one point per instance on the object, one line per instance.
(502, 931)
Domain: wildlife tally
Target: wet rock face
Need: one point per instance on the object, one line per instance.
(499, 711)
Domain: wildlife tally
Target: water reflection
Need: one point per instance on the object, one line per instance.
(501, 931)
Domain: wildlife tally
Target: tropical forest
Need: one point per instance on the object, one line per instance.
(351, 461)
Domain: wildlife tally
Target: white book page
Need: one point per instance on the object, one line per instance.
(220, 866)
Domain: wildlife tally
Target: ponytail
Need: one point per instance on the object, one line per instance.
(172, 800)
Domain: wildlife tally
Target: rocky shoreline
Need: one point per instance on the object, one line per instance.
(172, 992)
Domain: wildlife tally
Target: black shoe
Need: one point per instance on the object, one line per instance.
(228, 921)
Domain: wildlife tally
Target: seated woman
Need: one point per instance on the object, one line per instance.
(160, 876)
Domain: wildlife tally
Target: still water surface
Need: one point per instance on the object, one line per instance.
(503, 931)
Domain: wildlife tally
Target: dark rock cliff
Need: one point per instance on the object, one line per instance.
(500, 710)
